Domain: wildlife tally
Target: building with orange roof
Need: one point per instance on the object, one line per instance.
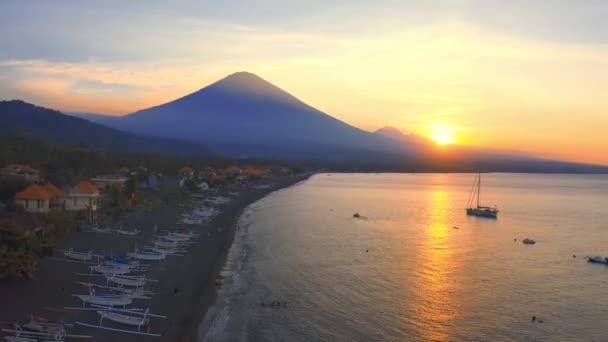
(83, 196)
(38, 198)
(186, 171)
(233, 170)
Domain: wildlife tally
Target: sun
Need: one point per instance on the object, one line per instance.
(443, 135)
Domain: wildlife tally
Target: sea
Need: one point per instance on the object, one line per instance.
(414, 266)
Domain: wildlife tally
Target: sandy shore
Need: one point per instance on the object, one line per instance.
(187, 284)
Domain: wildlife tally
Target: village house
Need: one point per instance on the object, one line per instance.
(21, 171)
(84, 196)
(232, 170)
(186, 172)
(38, 198)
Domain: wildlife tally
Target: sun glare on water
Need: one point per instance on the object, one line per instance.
(443, 135)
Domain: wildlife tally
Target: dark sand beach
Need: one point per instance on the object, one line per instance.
(186, 286)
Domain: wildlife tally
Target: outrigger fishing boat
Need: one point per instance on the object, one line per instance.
(126, 232)
(131, 318)
(166, 251)
(175, 238)
(105, 230)
(121, 261)
(479, 210)
(133, 292)
(147, 256)
(106, 269)
(105, 300)
(188, 235)
(81, 256)
(166, 244)
(22, 335)
(127, 280)
(39, 329)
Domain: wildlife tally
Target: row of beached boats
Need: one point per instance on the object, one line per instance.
(124, 281)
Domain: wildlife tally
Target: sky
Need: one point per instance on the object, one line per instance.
(528, 76)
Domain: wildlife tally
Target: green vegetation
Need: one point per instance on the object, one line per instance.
(19, 251)
(58, 223)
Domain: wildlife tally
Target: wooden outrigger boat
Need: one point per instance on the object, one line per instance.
(189, 235)
(127, 280)
(21, 335)
(126, 317)
(80, 256)
(104, 300)
(166, 244)
(133, 292)
(167, 251)
(96, 229)
(174, 238)
(39, 331)
(147, 256)
(126, 232)
(103, 269)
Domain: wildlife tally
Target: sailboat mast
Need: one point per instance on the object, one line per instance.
(478, 188)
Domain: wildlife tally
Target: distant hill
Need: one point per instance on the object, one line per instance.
(18, 117)
(101, 119)
(244, 115)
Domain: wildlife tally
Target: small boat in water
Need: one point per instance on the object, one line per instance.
(598, 260)
(529, 241)
(479, 210)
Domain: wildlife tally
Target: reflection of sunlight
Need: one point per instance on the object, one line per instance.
(436, 306)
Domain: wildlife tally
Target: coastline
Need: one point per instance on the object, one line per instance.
(229, 217)
(187, 287)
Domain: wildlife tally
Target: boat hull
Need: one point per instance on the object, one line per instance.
(487, 213)
(106, 301)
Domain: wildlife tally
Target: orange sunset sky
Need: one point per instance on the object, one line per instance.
(529, 76)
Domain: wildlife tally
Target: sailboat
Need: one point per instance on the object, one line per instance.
(490, 212)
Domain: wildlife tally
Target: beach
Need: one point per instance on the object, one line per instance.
(186, 286)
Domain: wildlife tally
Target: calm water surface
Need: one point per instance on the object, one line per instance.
(404, 273)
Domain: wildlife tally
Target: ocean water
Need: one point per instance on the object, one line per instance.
(403, 272)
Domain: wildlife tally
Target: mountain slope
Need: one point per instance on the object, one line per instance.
(18, 117)
(101, 119)
(245, 115)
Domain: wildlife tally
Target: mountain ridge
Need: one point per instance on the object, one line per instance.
(20, 117)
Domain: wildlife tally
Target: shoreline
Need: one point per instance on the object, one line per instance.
(187, 287)
(192, 333)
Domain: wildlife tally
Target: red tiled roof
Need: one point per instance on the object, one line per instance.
(53, 190)
(85, 187)
(34, 192)
(186, 169)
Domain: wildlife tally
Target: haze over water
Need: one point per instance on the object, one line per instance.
(403, 272)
